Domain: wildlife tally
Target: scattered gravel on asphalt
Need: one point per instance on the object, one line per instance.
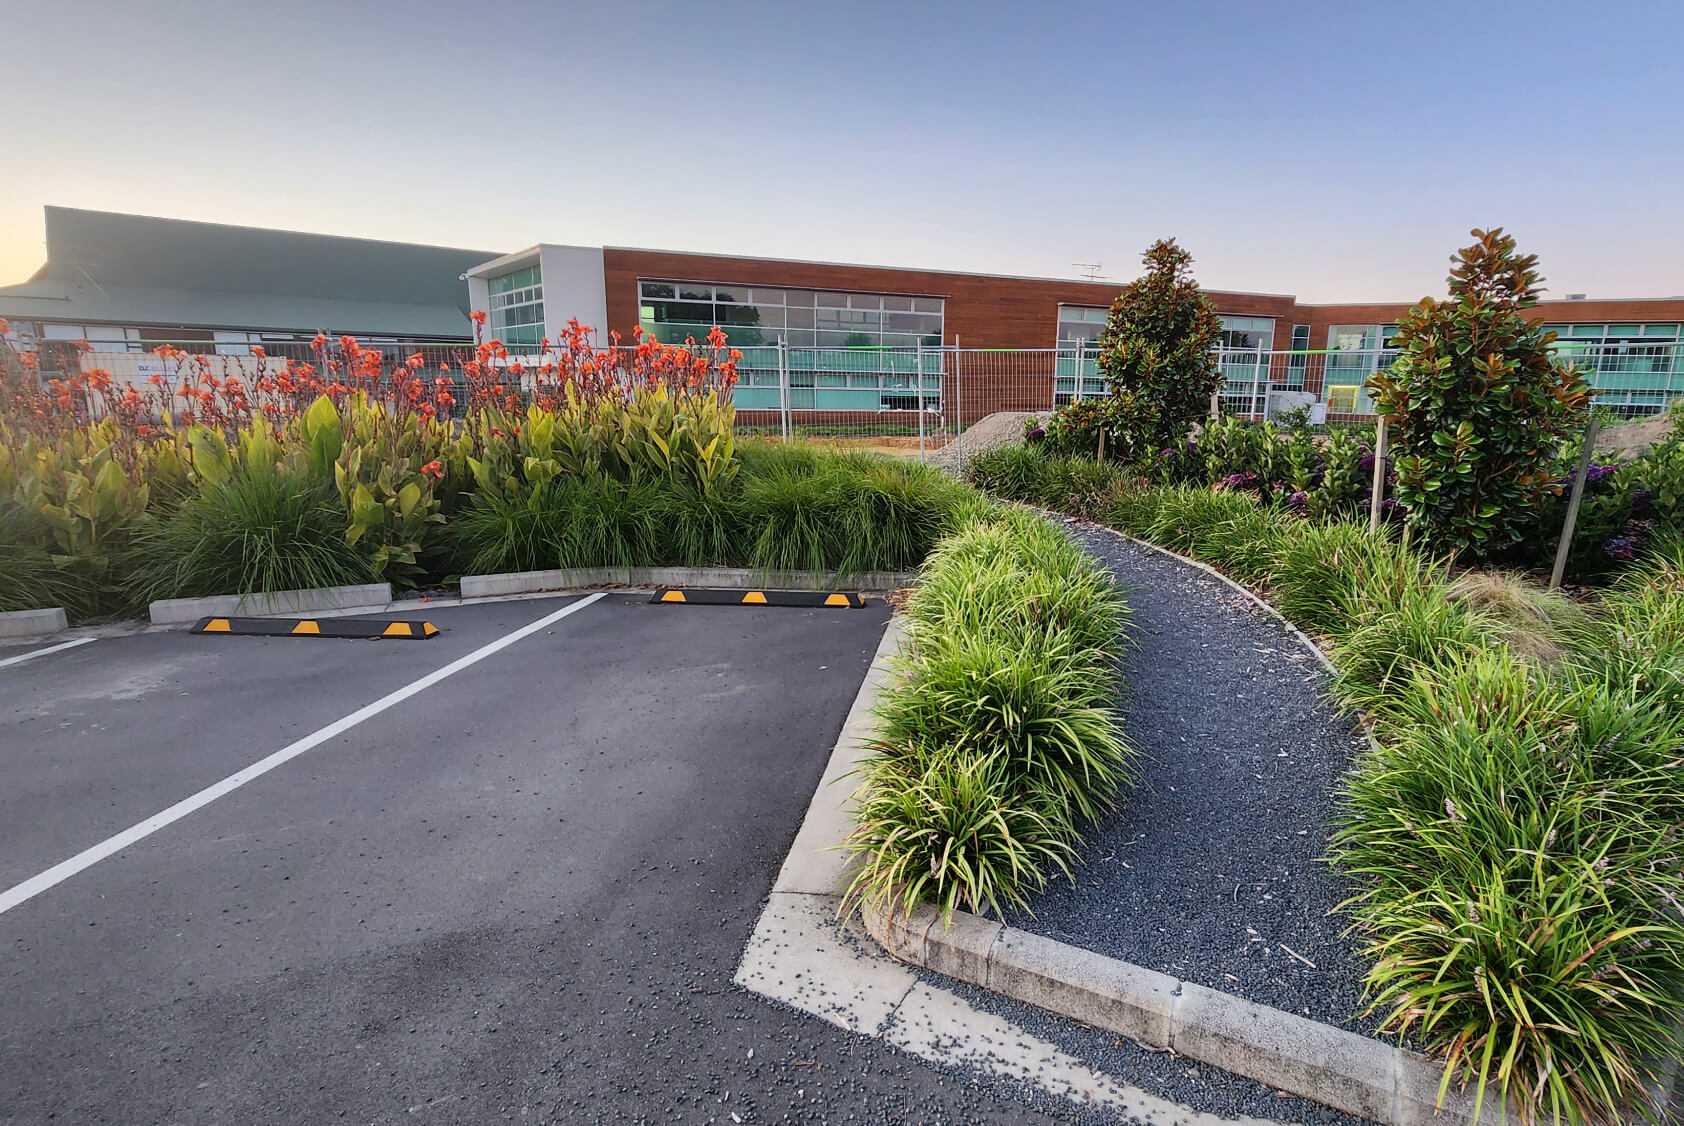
(1212, 870)
(1199, 1086)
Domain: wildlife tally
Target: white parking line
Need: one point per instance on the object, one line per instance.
(59, 648)
(62, 871)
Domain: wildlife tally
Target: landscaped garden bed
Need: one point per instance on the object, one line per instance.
(1214, 872)
(356, 469)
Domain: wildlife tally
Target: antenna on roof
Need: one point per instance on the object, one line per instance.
(1091, 270)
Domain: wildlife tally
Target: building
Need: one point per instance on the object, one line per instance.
(862, 338)
(126, 283)
(841, 343)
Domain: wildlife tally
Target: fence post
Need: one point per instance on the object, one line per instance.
(1256, 374)
(783, 391)
(1377, 495)
(1573, 503)
(959, 408)
(919, 380)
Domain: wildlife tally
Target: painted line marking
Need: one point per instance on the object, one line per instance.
(59, 648)
(87, 858)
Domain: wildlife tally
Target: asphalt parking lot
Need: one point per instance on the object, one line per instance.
(515, 893)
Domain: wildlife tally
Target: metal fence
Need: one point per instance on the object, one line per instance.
(922, 401)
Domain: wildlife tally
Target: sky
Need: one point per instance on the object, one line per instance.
(1336, 151)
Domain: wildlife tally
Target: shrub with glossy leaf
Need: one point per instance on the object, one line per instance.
(1155, 354)
(996, 740)
(1478, 403)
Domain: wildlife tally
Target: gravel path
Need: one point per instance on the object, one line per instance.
(1212, 870)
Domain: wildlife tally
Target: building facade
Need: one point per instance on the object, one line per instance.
(861, 338)
(839, 339)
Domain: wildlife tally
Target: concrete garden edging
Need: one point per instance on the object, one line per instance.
(179, 611)
(534, 582)
(1381, 1082)
(33, 623)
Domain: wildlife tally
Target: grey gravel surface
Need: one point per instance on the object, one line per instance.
(519, 896)
(1212, 870)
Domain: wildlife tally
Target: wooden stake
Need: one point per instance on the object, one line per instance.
(1377, 495)
(1573, 503)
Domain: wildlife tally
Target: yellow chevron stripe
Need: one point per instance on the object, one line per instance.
(755, 598)
(307, 627)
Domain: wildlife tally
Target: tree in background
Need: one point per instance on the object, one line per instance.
(1155, 354)
(1478, 405)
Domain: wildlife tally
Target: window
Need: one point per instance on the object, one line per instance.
(1248, 333)
(757, 316)
(1355, 352)
(1636, 369)
(1081, 324)
(517, 307)
(1297, 359)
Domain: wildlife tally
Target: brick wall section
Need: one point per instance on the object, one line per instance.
(990, 311)
(984, 311)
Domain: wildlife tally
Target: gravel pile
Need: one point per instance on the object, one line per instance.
(1002, 428)
(1212, 870)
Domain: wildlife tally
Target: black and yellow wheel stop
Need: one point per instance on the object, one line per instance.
(360, 629)
(806, 598)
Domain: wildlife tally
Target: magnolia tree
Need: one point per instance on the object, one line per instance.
(1155, 354)
(1477, 404)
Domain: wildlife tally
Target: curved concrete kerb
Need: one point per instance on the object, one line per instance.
(1345, 1070)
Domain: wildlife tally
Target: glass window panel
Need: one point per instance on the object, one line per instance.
(1587, 330)
(1660, 330)
(898, 304)
(689, 291)
(832, 300)
(927, 304)
(1623, 330)
(722, 294)
(799, 337)
(685, 312)
(800, 318)
(658, 289)
(862, 301)
(911, 322)
(901, 340)
(799, 297)
(766, 296)
(840, 338)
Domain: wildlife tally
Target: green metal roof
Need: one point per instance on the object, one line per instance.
(109, 268)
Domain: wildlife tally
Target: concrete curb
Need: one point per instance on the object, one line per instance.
(179, 611)
(33, 623)
(579, 578)
(1345, 1070)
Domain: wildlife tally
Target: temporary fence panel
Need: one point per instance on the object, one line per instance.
(921, 399)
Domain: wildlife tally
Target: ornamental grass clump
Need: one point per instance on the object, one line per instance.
(258, 530)
(997, 739)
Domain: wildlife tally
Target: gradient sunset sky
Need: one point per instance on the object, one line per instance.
(1337, 151)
